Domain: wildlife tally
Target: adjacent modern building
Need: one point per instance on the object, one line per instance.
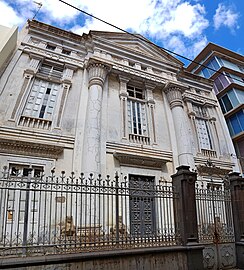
(226, 69)
(8, 43)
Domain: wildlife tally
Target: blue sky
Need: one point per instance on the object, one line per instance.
(184, 27)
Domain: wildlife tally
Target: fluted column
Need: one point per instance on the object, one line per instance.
(181, 125)
(91, 163)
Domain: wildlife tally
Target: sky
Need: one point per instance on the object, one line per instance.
(184, 27)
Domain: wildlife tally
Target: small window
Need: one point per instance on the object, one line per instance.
(24, 170)
(51, 47)
(67, 52)
(135, 92)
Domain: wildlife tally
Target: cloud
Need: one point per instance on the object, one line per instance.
(177, 24)
(9, 17)
(225, 16)
(186, 19)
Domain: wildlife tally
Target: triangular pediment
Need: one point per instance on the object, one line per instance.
(137, 44)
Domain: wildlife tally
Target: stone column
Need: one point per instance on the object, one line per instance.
(182, 129)
(237, 198)
(97, 73)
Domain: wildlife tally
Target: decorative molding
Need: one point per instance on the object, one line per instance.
(129, 159)
(30, 148)
(139, 73)
(140, 156)
(174, 96)
(39, 52)
(200, 99)
(97, 73)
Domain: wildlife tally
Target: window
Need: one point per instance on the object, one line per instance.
(203, 128)
(51, 69)
(137, 122)
(67, 52)
(51, 47)
(229, 101)
(24, 170)
(42, 99)
(17, 199)
(225, 79)
(220, 83)
(213, 65)
(236, 123)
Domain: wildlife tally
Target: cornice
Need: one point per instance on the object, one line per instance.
(200, 99)
(30, 149)
(138, 73)
(142, 157)
(63, 34)
(32, 50)
(11, 133)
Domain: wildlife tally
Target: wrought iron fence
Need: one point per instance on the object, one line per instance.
(60, 214)
(214, 213)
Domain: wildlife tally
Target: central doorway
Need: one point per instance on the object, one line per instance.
(142, 205)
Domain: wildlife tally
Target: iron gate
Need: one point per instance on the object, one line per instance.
(142, 205)
(215, 225)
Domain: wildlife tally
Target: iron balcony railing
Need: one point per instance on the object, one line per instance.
(53, 215)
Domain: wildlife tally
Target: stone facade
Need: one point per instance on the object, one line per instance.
(105, 102)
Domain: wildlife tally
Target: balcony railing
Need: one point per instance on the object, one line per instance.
(139, 139)
(209, 153)
(27, 121)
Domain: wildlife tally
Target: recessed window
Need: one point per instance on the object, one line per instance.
(67, 52)
(41, 100)
(135, 92)
(51, 47)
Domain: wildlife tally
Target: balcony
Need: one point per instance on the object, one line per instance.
(31, 122)
(209, 153)
(134, 138)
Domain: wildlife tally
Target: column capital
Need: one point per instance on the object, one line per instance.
(97, 73)
(174, 94)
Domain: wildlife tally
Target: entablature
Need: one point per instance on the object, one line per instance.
(28, 148)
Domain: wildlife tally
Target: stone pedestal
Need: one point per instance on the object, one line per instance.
(185, 214)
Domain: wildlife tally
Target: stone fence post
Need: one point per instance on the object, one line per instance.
(186, 215)
(237, 197)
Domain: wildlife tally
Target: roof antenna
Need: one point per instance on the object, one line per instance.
(39, 7)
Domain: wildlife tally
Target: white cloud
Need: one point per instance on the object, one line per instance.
(198, 46)
(187, 19)
(225, 16)
(177, 24)
(8, 16)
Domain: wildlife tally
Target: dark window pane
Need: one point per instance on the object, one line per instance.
(48, 91)
(42, 111)
(235, 124)
(227, 103)
(222, 106)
